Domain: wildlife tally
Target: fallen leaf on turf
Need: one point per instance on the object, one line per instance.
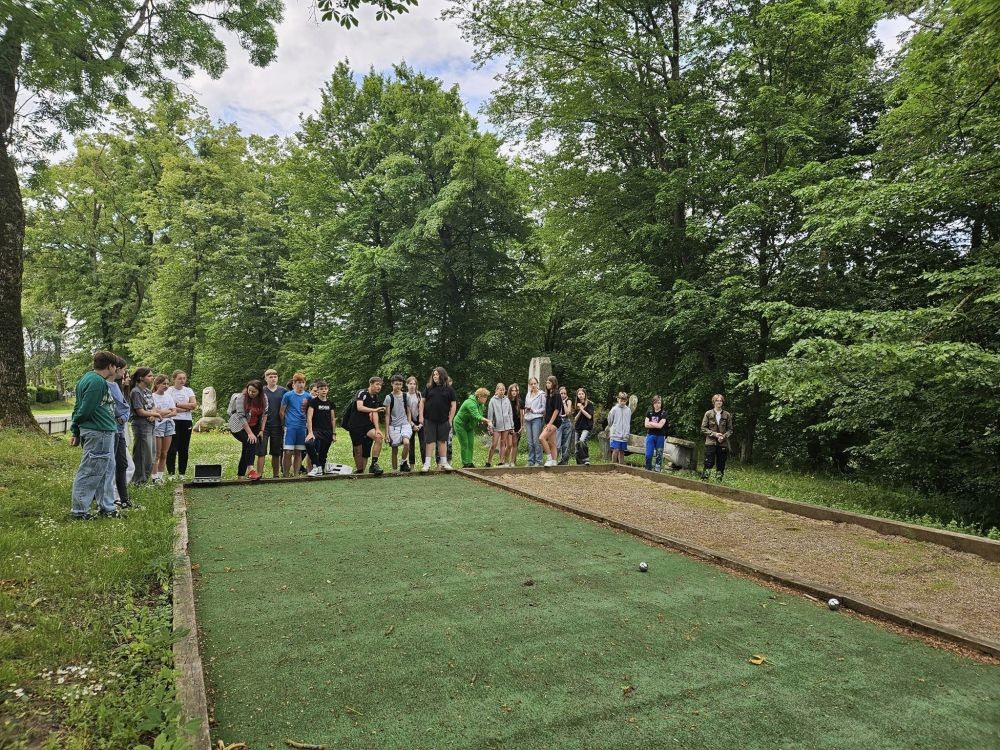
(389, 631)
(304, 745)
(627, 690)
(529, 582)
(757, 659)
(196, 567)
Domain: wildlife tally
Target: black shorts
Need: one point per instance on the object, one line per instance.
(359, 436)
(276, 441)
(436, 432)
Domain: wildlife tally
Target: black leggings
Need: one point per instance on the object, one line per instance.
(248, 456)
(716, 455)
(121, 467)
(419, 435)
(180, 446)
(318, 448)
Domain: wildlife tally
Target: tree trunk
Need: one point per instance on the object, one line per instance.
(14, 408)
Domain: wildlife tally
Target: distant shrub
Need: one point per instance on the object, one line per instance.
(46, 395)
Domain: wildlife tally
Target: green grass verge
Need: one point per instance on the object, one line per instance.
(397, 613)
(53, 408)
(85, 642)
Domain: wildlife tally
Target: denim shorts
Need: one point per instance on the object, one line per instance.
(619, 445)
(164, 429)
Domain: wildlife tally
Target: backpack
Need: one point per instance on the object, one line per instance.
(345, 416)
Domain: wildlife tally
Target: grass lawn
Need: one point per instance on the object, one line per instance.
(436, 613)
(53, 409)
(84, 609)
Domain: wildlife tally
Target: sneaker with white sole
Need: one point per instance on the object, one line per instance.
(550, 462)
(445, 466)
(316, 471)
(426, 467)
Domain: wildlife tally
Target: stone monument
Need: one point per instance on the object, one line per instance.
(541, 368)
(210, 419)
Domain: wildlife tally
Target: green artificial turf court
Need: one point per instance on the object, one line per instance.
(435, 612)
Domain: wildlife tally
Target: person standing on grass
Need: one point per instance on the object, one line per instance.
(553, 420)
(363, 425)
(656, 430)
(501, 416)
(144, 415)
(93, 426)
(164, 428)
(584, 426)
(619, 427)
(469, 417)
(566, 428)
(274, 435)
(248, 423)
(293, 416)
(185, 403)
(398, 423)
(437, 413)
(717, 427)
(122, 414)
(534, 420)
(415, 409)
(320, 435)
(517, 413)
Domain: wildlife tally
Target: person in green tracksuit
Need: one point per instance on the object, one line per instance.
(470, 416)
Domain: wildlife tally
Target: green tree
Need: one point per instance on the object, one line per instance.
(407, 234)
(72, 57)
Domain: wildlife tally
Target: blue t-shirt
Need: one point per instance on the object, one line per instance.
(292, 401)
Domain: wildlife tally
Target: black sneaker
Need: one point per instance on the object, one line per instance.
(486, 465)
(375, 469)
(704, 476)
(125, 504)
(405, 466)
(110, 514)
(81, 517)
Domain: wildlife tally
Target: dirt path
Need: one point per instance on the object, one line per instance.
(931, 582)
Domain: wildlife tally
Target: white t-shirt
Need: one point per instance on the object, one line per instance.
(181, 396)
(164, 401)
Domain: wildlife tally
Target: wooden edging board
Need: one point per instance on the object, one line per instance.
(187, 657)
(850, 601)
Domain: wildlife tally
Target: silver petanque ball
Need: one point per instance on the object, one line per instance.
(643, 567)
(834, 604)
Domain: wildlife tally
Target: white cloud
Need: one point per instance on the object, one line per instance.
(270, 100)
(888, 31)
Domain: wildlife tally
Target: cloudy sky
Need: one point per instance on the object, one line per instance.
(269, 101)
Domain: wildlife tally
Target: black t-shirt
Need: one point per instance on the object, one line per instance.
(515, 406)
(322, 415)
(584, 416)
(437, 403)
(657, 415)
(553, 405)
(363, 419)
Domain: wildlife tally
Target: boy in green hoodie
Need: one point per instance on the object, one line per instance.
(94, 426)
(469, 416)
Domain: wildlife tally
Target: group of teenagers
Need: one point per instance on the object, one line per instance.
(294, 424)
(108, 398)
(290, 423)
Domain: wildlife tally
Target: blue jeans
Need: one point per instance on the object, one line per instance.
(565, 440)
(654, 444)
(534, 428)
(96, 476)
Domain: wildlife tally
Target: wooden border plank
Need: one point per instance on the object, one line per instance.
(187, 657)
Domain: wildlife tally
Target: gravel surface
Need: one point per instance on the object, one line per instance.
(928, 581)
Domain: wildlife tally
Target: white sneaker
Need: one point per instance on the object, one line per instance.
(316, 471)
(445, 466)
(550, 462)
(328, 469)
(426, 467)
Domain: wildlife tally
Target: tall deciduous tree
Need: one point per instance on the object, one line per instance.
(72, 57)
